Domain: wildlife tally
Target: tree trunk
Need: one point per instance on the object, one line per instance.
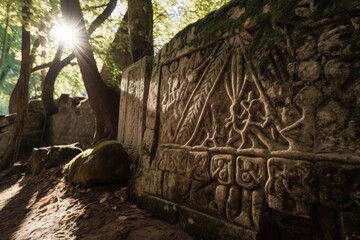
(13, 104)
(140, 28)
(21, 95)
(5, 68)
(103, 100)
(57, 65)
(47, 95)
(119, 56)
(5, 38)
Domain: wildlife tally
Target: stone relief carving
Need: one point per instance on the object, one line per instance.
(238, 200)
(217, 98)
(238, 132)
(222, 169)
(134, 88)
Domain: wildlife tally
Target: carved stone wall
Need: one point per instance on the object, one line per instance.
(253, 123)
(132, 112)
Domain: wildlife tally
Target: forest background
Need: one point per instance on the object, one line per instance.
(169, 17)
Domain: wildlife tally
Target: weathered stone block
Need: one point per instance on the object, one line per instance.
(134, 95)
(350, 223)
(75, 122)
(49, 157)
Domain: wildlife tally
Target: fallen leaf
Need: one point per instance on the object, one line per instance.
(122, 218)
(103, 200)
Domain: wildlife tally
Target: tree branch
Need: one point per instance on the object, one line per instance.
(93, 26)
(103, 16)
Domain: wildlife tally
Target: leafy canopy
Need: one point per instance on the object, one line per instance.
(169, 18)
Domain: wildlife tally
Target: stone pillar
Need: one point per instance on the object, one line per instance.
(134, 93)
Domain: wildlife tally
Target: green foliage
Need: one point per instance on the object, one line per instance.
(169, 18)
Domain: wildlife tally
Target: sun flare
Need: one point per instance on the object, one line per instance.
(65, 34)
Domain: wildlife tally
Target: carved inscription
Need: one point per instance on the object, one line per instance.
(134, 92)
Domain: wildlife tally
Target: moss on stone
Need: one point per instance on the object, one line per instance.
(106, 163)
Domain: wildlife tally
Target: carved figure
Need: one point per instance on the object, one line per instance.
(235, 91)
(308, 99)
(215, 132)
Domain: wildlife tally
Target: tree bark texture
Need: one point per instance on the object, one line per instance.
(47, 95)
(20, 96)
(140, 28)
(103, 100)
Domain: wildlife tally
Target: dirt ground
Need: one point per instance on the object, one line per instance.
(45, 206)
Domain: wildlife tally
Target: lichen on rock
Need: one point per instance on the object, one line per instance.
(106, 163)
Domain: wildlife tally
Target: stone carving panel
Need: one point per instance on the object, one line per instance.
(238, 196)
(266, 114)
(291, 186)
(222, 169)
(220, 97)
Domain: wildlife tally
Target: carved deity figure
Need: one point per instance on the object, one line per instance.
(308, 99)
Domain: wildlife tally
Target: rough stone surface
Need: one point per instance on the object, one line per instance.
(132, 112)
(49, 157)
(75, 122)
(106, 163)
(33, 128)
(257, 122)
(34, 125)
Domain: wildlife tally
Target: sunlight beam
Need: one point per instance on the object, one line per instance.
(65, 34)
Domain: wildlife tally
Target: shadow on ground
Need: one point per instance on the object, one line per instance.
(45, 206)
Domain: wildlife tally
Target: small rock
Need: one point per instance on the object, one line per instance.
(336, 70)
(309, 71)
(307, 50)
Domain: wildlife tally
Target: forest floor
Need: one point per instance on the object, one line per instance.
(45, 206)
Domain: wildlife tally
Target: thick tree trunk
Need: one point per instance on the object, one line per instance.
(103, 99)
(21, 95)
(13, 104)
(5, 38)
(141, 28)
(119, 56)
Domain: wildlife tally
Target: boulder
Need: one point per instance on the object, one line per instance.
(49, 157)
(106, 163)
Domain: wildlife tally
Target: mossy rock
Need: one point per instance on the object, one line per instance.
(106, 163)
